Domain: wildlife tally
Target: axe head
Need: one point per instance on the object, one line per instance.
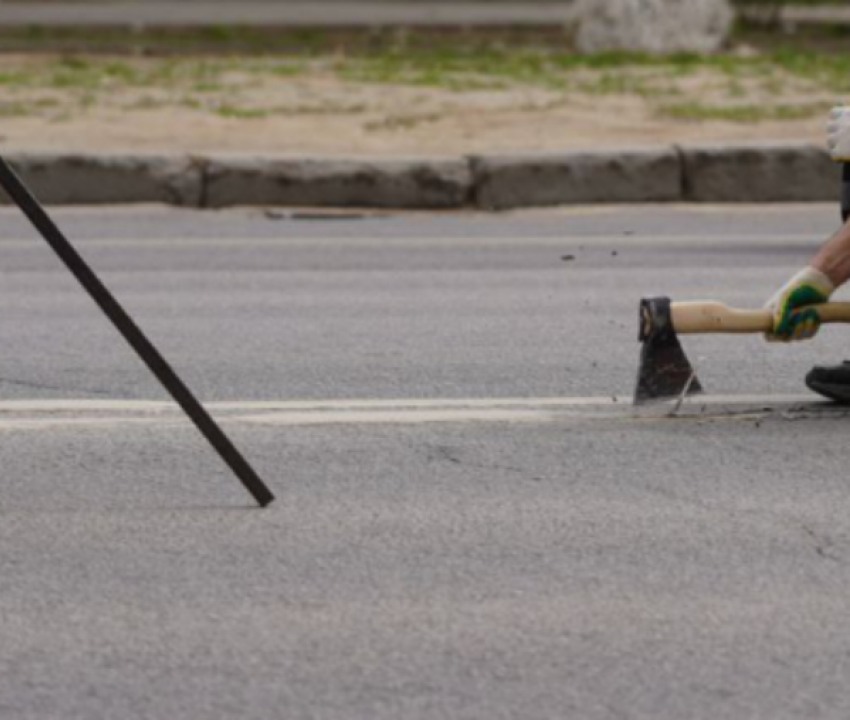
(665, 371)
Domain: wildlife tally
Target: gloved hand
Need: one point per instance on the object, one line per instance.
(838, 133)
(808, 287)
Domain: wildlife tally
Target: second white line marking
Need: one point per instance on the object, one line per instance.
(54, 414)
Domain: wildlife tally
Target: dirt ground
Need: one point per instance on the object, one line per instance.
(313, 110)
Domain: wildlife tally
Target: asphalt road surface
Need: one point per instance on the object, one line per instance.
(292, 14)
(472, 521)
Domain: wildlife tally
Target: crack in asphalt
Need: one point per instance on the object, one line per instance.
(45, 386)
(823, 544)
(436, 453)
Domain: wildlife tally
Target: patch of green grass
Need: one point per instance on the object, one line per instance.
(208, 86)
(448, 68)
(323, 109)
(439, 66)
(454, 67)
(242, 113)
(695, 111)
(146, 103)
(120, 72)
(63, 80)
(286, 69)
(16, 78)
(192, 103)
(402, 122)
(613, 83)
(85, 80)
(74, 62)
(831, 71)
(736, 89)
(16, 109)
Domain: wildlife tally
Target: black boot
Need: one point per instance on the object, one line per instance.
(832, 382)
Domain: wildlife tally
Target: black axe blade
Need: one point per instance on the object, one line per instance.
(665, 371)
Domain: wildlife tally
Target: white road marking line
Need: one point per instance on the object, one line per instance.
(398, 417)
(54, 414)
(84, 405)
(646, 241)
(80, 422)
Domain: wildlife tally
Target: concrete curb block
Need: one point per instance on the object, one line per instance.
(438, 183)
(710, 173)
(758, 173)
(78, 179)
(616, 176)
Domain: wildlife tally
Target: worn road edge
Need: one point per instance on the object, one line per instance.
(749, 173)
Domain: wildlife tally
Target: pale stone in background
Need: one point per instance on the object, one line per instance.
(652, 25)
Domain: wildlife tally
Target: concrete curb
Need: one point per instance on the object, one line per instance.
(80, 179)
(435, 183)
(617, 176)
(721, 173)
(758, 173)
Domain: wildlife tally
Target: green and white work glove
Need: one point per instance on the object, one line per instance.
(838, 133)
(808, 287)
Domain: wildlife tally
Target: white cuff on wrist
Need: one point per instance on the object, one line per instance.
(813, 276)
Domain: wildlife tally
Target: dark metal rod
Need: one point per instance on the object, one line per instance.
(28, 204)
(845, 192)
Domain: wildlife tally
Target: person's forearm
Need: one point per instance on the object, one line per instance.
(833, 259)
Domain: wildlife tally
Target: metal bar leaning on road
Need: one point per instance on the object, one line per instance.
(36, 214)
(845, 192)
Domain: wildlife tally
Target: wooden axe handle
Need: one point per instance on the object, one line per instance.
(715, 317)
